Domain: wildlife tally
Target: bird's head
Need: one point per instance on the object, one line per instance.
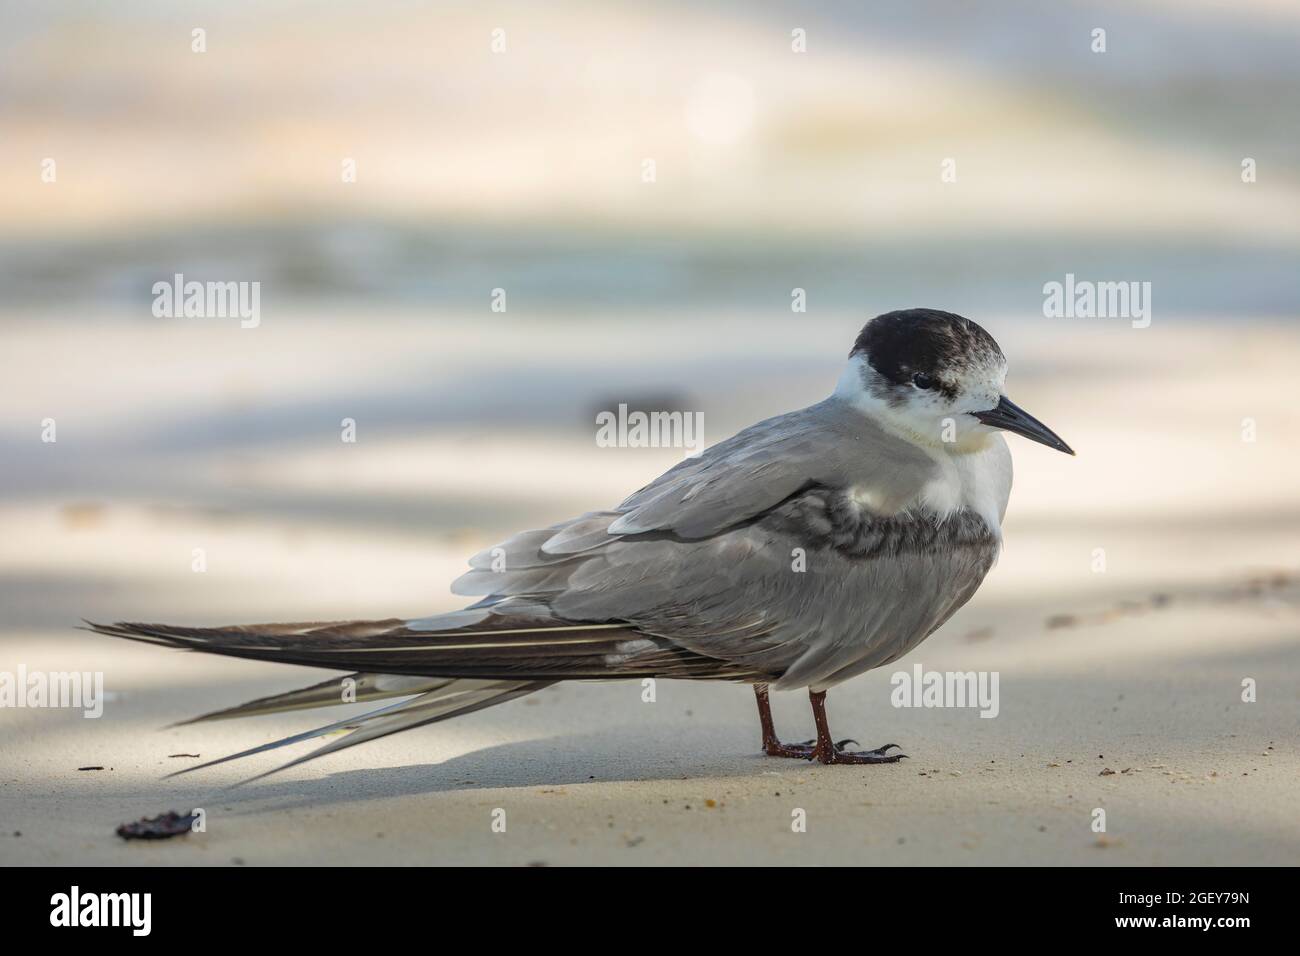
(937, 378)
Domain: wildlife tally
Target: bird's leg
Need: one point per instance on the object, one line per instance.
(827, 751)
(771, 745)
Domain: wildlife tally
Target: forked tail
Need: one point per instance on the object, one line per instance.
(441, 666)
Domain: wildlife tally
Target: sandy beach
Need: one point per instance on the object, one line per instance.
(1119, 690)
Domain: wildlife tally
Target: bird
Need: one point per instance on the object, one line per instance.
(803, 551)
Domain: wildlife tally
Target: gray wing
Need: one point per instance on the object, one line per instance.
(825, 445)
(759, 555)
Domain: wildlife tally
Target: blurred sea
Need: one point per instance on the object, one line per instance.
(376, 265)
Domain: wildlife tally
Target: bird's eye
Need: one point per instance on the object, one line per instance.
(921, 380)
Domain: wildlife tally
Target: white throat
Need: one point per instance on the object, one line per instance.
(973, 470)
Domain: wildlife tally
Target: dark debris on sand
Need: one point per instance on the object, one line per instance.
(162, 827)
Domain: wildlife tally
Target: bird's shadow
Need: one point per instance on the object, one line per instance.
(615, 755)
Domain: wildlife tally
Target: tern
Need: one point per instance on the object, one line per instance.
(801, 552)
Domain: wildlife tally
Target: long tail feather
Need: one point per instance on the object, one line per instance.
(449, 699)
(297, 738)
(327, 693)
(447, 665)
(416, 713)
(489, 643)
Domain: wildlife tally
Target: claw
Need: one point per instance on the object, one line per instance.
(798, 751)
(860, 757)
(807, 749)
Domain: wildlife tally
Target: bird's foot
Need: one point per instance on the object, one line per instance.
(775, 748)
(807, 750)
(838, 754)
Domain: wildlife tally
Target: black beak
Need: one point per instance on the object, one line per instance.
(1013, 418)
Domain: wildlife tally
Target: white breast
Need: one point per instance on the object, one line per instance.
(978, 479)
